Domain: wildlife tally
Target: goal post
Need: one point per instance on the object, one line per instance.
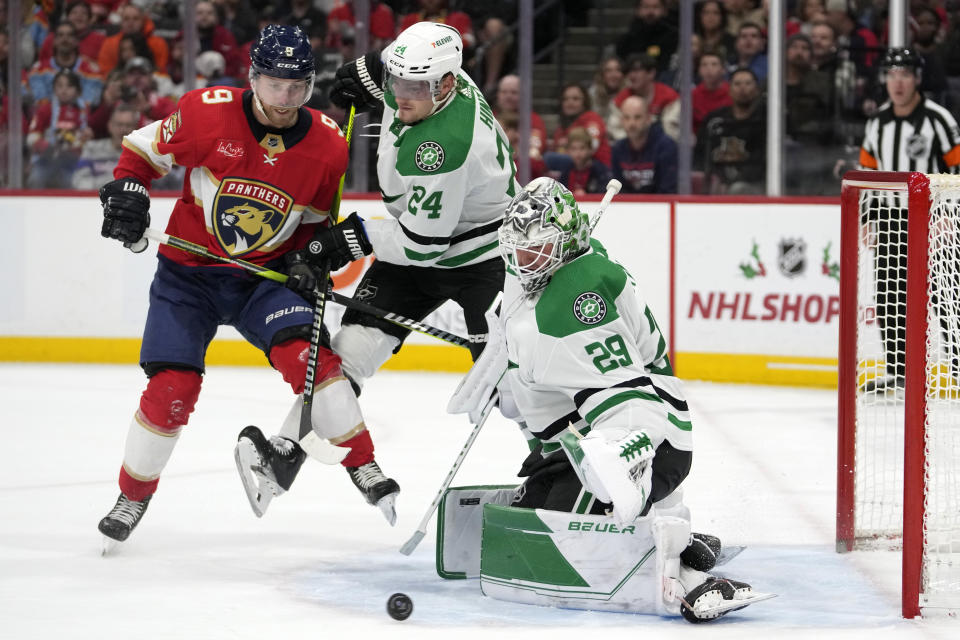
(898, 443)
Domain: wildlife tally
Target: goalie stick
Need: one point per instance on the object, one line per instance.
(421, 531)
(407, 323)
(613, 188)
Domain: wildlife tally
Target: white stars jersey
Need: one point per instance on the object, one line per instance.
(587, 351)
(445, 181)
(248, 187)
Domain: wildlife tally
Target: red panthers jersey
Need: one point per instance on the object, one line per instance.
(248, 187)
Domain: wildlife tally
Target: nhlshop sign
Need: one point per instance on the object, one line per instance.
(758, 280)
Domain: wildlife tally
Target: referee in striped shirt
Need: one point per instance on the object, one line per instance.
(908, 133)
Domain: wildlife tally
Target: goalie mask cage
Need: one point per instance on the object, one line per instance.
(898, 471)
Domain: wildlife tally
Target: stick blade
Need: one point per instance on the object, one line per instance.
(412, 543)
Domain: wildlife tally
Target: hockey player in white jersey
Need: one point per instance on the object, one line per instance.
(587, 368)
(446, 176)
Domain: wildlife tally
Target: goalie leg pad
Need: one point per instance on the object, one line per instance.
(459, 525)
(558, 559)
(363, 350)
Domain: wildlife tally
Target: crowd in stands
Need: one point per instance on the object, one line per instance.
(96, 69)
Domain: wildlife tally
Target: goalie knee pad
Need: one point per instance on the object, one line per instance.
(363, 350)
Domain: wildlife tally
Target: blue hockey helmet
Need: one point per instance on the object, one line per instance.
(282, 52)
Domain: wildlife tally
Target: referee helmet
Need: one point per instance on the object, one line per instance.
(903, 58)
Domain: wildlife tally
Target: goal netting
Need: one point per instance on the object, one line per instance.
(899, 379)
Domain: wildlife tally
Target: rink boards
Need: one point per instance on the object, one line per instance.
(746, 290)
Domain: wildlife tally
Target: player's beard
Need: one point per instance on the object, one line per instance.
(275, 117)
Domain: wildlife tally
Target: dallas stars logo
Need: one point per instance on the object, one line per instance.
(429, 156)
(589, 308)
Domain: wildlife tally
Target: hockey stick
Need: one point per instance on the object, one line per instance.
(421, 531)
(613, 188)
(308, 438)
(401, 321)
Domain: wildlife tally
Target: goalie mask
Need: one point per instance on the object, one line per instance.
(415, 63)
(542, 230)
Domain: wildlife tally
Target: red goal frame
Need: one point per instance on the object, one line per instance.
(917, 187)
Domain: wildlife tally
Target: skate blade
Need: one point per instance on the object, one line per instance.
(387, 505)
(259, 488)
(728, 553)
(107, 546)
(712, 610)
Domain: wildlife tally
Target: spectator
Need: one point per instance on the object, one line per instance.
(645, 161)
(750, 51)
(711, 26)
(584, 175)
(89, 40)
(575, 112)
(133, 19)
(439, 11)
(713, 92)
(508, 101)
(494, 40)
(607, 83)
(147, 100)
(511, 127)
(215, 37)
(808, 121)
(341, 25)
(641, 81)
(807, 12)
(650, 34)
(134, 47)
(731, 149)
(927, 26)
(239, 17)
(65, 56)
(57, 133)
(823, 40)
(741, 11)
(115, 91)
(211, 69)
(305, 15)
(859, 41)
(99, 157)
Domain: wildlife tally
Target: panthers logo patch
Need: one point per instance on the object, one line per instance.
(589, 308)
(248, 214)
(429, 156)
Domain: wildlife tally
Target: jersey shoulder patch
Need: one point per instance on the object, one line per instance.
(441, 143)
(581, 296)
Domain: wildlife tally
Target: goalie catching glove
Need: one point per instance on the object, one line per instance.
(616, 465)
(126, 212)
(358, 83)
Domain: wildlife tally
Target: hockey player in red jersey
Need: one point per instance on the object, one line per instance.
(262, 173)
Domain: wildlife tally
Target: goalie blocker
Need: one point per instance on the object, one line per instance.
(578, 561)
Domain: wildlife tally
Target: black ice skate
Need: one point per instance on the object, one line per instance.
(717, 597)
(377, 488)
(122, 520)
(267, 467)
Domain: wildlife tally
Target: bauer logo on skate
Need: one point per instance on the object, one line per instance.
(247, 214)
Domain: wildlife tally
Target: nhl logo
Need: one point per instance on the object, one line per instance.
(793, 258)
(917, 147)
(429, 156)
(589, 308)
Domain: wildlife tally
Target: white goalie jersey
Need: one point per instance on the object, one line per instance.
(445, 181)
(587, 351)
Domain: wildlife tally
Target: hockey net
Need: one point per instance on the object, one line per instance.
(899, 385)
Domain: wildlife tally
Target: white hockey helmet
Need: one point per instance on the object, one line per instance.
(542, 230)
(415, 63)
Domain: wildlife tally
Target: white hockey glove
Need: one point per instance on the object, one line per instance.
(485, 375)
(616, 465)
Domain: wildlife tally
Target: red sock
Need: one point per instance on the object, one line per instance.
(361, 450)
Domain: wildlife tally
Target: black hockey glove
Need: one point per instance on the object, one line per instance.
(126, 212)
(342, 243)
(302, 277)
(360, 83)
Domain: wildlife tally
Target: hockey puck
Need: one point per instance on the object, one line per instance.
(399, 606)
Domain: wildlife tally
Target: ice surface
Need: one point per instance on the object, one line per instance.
(321, 563)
